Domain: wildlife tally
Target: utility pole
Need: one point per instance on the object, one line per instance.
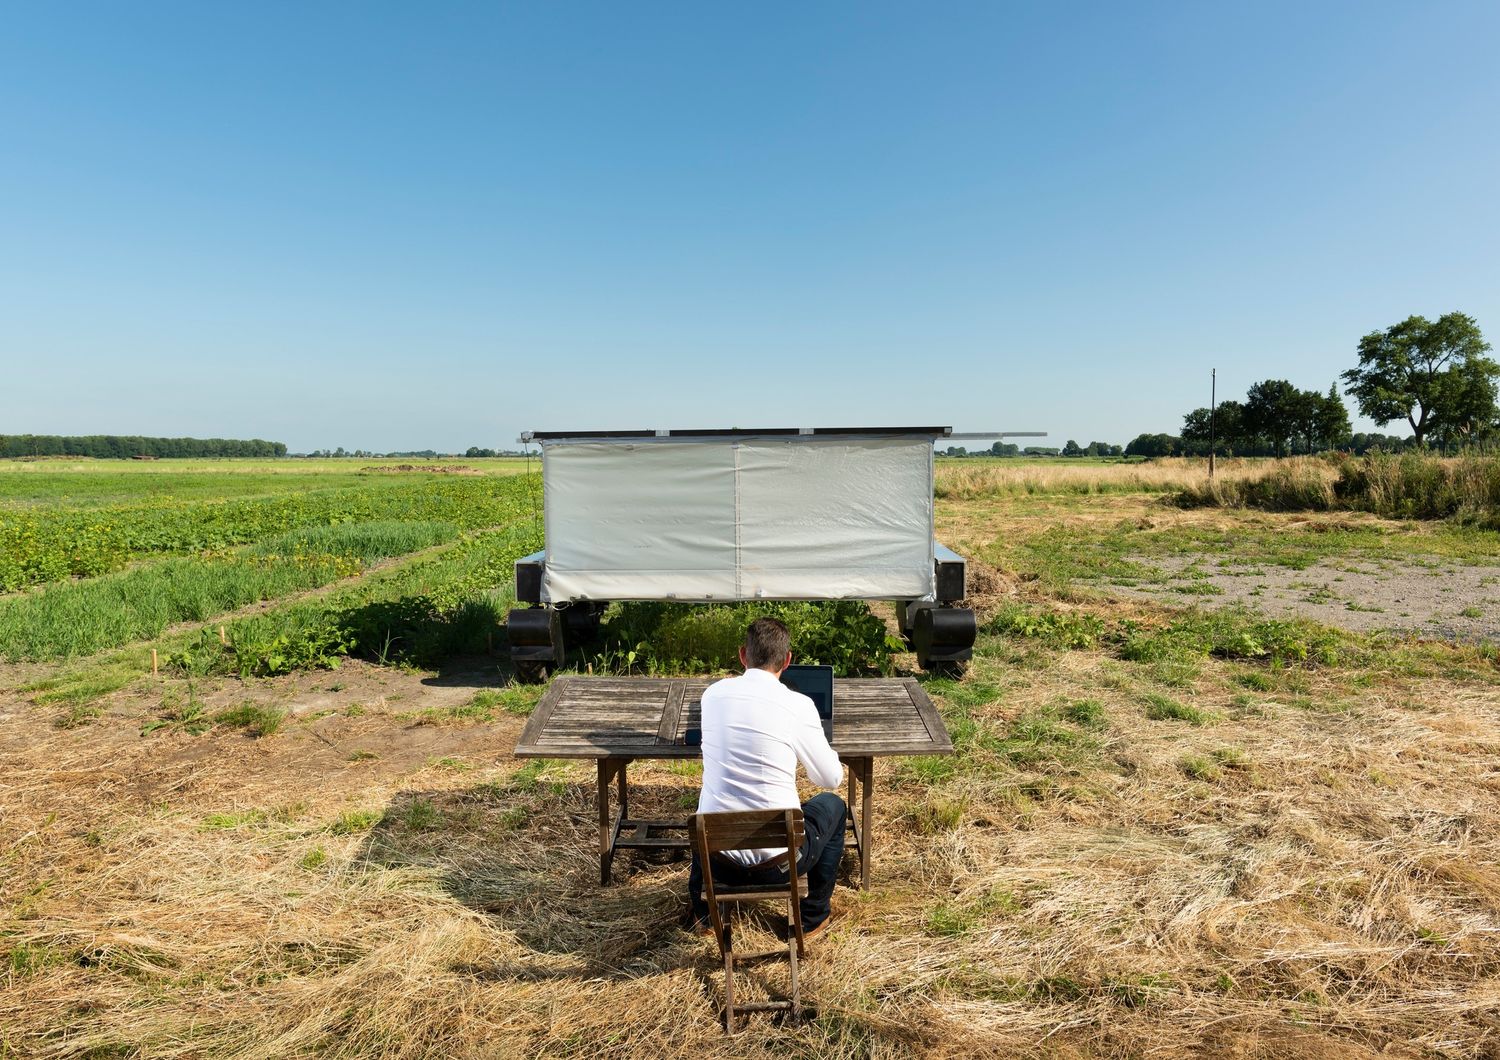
(1213, 411)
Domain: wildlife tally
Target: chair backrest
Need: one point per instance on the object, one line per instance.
(748, 830)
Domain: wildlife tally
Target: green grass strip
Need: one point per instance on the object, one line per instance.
(81, 618)
(445, 604)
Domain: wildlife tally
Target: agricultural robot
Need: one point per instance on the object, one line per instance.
(723, 516)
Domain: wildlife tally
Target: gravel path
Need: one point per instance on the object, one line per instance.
(1439, 599)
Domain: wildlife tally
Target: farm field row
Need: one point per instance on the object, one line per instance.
(419, 609)
(83, 617)
(47, 543)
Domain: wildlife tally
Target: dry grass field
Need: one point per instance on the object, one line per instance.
(1173, 829)
(971, 478)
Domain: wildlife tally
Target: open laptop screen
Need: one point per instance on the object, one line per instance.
(814, 682)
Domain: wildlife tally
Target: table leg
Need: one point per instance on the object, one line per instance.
(624, 794)
(606, 847)
(852, 764)
(866, 837)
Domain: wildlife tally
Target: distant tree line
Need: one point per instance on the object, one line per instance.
(1010, 449)
(126, 446)
(1432, 374)
(1275, 419)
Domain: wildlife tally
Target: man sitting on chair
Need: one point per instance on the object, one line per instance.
(755, 731)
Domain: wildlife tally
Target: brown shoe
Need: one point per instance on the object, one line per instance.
(810, 933)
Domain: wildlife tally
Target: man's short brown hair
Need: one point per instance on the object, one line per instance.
(767, 642)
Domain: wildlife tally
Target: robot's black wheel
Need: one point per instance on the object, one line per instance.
(533, 673)
(581, 622)
(943, 637)
(536, 642)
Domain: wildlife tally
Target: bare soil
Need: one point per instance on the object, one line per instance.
(348, 728)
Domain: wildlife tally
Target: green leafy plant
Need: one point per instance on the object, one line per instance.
(1056, 629)
(677, 638)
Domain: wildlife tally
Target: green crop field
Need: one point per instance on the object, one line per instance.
(1227, 781)
(68, 524)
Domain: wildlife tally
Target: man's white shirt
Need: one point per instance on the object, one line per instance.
(755, 731)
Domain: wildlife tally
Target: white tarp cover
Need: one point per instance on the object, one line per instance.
(739, 518)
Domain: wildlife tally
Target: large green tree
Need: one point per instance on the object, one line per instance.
(1432, 373)
(1330, 420)
(1467, 412)
(1276, 411)
(1223, 427)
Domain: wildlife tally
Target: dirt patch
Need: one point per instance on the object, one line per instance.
(358, 725)
(1439, 599)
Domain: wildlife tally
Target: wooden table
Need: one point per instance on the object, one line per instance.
(616, 720)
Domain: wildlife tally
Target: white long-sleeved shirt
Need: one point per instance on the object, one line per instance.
(755, 731)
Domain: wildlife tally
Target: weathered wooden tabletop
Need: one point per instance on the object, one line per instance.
(647, 717)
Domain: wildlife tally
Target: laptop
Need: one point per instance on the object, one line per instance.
(816, 683)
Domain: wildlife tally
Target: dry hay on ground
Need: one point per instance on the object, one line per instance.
(986, 588)
(1327, 890)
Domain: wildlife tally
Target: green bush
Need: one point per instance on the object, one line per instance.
(266, 645)
(1164, 708)
(262, 720)
(1086, 712)
(656, 637)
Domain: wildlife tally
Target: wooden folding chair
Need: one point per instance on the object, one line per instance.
(713, 833)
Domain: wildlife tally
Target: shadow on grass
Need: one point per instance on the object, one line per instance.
(480, 671)
(523, 850)
(415, 629)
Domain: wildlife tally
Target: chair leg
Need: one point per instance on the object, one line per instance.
(791, 956)
(726, 944)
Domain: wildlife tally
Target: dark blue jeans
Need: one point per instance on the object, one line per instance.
(818, 861)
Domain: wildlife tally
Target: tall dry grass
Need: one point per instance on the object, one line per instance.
(965, 480)
(1300, 483)
(1418, 486)
(1405, 486)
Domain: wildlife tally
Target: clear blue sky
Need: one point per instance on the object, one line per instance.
(410, 226)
